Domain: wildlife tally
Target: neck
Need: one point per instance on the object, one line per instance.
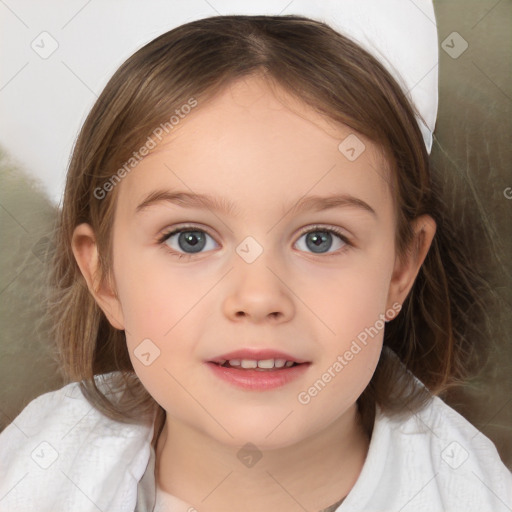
(312, 475)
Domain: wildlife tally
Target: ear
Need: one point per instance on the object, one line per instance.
(406, 269)
(85, 250)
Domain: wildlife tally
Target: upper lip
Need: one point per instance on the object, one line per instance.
(257, 355)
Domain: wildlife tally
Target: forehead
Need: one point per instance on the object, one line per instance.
(255, 140)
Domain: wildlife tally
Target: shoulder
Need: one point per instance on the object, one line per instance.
(65, 411)
(49, 409)
(60, 450)
(435, 459)
(459, 449)
(431, 460)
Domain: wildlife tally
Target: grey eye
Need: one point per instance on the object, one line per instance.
(320, 241)
(189, 240)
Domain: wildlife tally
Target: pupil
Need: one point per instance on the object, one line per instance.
(195, 240)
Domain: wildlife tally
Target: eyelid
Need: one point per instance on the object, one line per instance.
(167, 232)
(326, 227)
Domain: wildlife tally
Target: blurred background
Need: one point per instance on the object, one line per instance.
(472, 151)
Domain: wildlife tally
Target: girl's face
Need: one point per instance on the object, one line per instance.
(250, 276)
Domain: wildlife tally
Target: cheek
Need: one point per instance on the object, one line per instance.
(351, 303)
(166, 305)
(154, 294)
(351, 344)
(351, 298)
(161, 307)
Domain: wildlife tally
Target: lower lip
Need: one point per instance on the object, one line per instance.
(258, 380)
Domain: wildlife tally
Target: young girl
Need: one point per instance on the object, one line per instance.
(253, 305)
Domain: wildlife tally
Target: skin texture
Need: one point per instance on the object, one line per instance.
(262, 150)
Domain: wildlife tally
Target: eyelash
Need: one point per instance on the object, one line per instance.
(165, 236)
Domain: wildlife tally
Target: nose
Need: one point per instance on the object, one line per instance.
(258, 293)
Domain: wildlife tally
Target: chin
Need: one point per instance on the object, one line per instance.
(265, 432)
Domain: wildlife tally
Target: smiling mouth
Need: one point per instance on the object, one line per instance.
(265, 365)
(258, 375)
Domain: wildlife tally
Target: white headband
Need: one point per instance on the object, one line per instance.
(401, 34)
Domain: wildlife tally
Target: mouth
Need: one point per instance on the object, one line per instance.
(263, 365)
(264, 359)
(258, 370)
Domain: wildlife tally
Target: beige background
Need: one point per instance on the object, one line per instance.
(472, 150)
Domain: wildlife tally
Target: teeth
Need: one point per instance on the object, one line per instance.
(264, 363)
(248, 363)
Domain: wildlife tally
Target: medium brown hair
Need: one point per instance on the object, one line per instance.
(432, 336)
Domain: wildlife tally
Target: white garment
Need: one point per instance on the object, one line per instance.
(167, 502)
(61, 455)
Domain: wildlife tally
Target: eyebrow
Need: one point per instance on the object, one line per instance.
(222, 205)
